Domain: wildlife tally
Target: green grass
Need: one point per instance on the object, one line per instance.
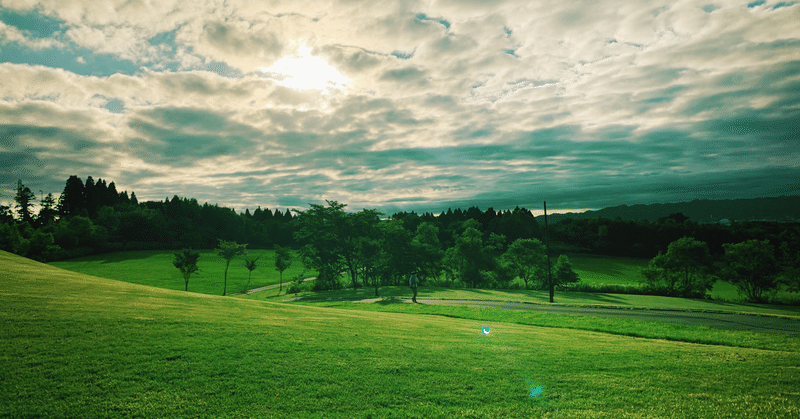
(541, 297)
(73, 345)
(625, 327)
(595, 269)
(155, 268)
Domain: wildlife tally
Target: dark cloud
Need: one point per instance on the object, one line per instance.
(450, 104)
(177, 135)
(404, 74)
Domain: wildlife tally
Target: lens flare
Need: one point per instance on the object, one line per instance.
(485, 330)
(535, 391)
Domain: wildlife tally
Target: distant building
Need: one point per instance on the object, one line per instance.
(724, 221)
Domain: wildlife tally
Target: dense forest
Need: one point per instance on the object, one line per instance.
(780, 209)
(472, 247)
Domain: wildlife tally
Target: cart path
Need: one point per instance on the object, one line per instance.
(269, 287)
(720, 320)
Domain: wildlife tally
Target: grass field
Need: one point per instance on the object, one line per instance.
(596, 269)
(542, 297)
(73, 345)
(155, 268)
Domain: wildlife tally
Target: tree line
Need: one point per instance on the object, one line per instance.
(471, 248)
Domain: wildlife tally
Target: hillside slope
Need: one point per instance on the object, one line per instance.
(73, 345)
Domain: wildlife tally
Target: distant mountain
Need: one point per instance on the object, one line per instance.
(777, 209)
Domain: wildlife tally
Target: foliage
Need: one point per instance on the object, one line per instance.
(186, 262)
(24, 198)
(229, 250)
(526, 258)
(563, 274)
(470, 260)
(752, 268)
(686, 270)
(321, 229)
(250, 265)
(283, 261)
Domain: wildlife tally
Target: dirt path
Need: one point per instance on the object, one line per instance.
(720, 320)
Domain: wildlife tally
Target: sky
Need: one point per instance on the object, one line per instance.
(403, 105)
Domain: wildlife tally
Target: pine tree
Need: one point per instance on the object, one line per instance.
(24, 198)
(72, 200)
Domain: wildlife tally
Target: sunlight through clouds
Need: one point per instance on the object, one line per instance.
(403, 105)
(304, 71)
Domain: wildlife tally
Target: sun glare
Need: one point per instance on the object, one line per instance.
(303, 71)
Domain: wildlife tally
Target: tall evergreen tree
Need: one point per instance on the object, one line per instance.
(72, 200)
(89, 199)
(24, 198)
(112, 196)
(48, 212)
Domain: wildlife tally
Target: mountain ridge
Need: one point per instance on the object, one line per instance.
(772, 209)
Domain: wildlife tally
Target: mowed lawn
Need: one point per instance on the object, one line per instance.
(73, 345)
(596, 269)
(154, 268)
(537, 297)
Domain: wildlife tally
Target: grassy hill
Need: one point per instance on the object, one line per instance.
(154, 267)
(73, 345)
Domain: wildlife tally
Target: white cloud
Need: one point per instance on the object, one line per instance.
(12, 34)
(446, 101)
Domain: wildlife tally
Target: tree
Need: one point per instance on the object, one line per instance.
(24, 198)
(685, 270)
(396, 255)
(321, 230)
(72, 200)
(186, 262)
(526, 258)
(283, 261)
(48, 212)
(563, 274)
(469, 260)
(752, 268)
(251, 266)
(6, 216)
(427, 251)
(229, 250)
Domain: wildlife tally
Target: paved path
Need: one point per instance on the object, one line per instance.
(269, 287)
(721, 320)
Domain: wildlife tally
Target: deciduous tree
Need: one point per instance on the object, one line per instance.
(526, 258)
(686, 269)
(283, 261)
(752, 268)
(229, 250)
(186, 262)
(563, 274)
(251, 266)
(321, 231)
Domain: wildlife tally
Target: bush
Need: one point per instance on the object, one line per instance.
(294, 288)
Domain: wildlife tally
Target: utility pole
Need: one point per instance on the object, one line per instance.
(550, 284)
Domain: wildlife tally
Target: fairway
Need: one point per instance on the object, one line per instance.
(596, 269)
(154, 268)
(74, 345)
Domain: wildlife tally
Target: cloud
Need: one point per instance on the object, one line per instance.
(450, 103)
